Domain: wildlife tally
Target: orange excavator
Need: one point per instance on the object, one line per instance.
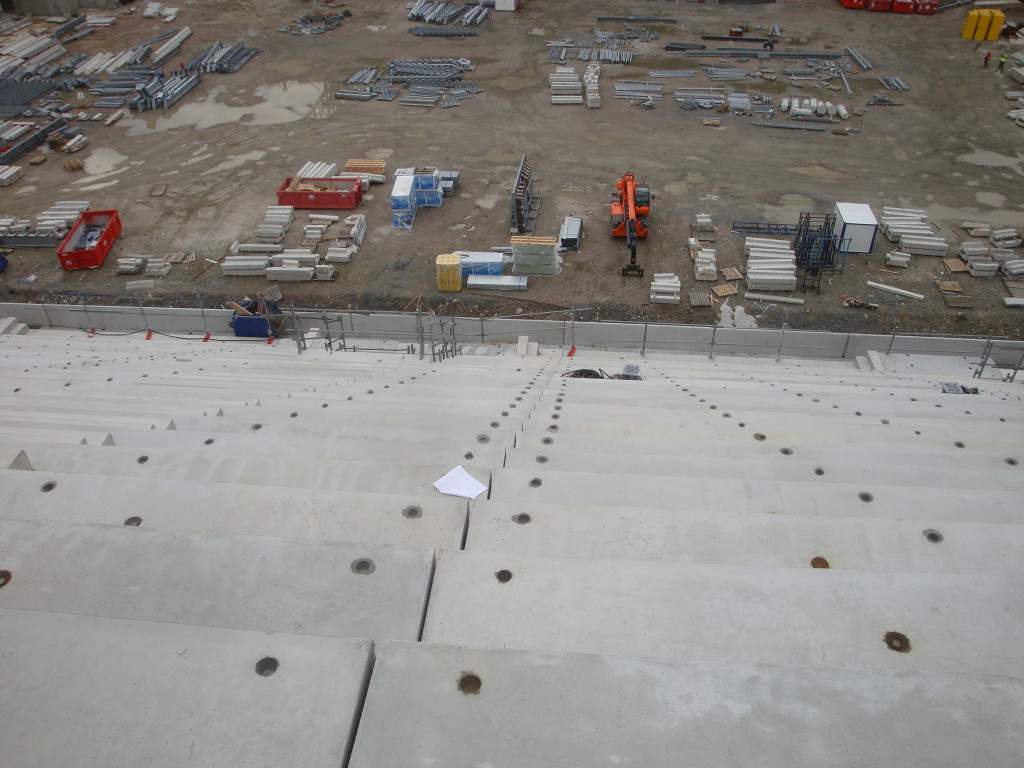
(630, 205)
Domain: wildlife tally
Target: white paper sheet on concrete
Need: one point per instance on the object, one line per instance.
(459, 482)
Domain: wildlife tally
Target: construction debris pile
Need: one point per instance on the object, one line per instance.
(428, 82)
(315, 23)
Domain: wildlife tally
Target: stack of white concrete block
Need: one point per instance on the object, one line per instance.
(977, 228)
(131, 265)
(290, 271)
(245, 265)
(703, 223)
(705, 266)
(897, 259)
(297, 256)
(665, 288)
(1013, 268)
(9, 174)
(771, 264)
(1005, 238)
(356, 224)
(982, 266)
(924, 246)
(62, 214)
(276, 222)
(157, 267)
(566, 87)
(340, 254)
(896, 222)
(314, 231)
(590, 78)
(973, 248)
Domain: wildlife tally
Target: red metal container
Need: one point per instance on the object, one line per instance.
(904, 6)
(90, 240)
(927, 6)
(852, 3)
(879, 5)
(321, 194)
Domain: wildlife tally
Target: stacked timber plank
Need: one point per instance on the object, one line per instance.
(363, 165)
(590, 78)
(275, 224)
(665, 288)
(566, 87)
(771, 264)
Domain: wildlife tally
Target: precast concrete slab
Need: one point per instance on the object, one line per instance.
(735, 537)
(867, 499)
(429, 519)
(96, 693)
(794, 462)
(806, 617)
(551, 709)
(322, 474)
(237, 582)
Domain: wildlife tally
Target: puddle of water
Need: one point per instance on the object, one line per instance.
(488, 201)
(101, 185)
(26, 190)
(103, 160)
(990, 198)
(198, 159)
(237, 161)
(989, 159)
(280, 103)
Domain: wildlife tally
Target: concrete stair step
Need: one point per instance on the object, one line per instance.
(637, 711)
(806, 617)
(183, 692)
(427, 519)
(742, 538)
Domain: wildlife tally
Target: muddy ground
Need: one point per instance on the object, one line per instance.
(198, 177)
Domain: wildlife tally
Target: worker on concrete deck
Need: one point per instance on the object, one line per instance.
(1001, 64)
(986, 60)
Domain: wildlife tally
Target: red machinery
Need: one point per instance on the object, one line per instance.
(630, 205)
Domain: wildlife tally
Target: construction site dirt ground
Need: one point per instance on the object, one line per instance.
(199, 176)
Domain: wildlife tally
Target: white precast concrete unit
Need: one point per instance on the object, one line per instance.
(569, 710)
(856, 222)
(94, 693)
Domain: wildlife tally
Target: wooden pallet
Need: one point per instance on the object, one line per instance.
(363, 165)
(724, 289)
(1015, 287)
(960, 302)
(955, 265)
(526, 240)
(731, 273)
(950, 286)
(700, 299)
(311, 242)
(174, 258)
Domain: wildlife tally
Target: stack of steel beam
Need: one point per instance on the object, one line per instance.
(362, 77)
(638, 89)
(220, 58)
(160, 92)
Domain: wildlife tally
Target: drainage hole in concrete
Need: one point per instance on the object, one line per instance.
(18, 389)
(547, 440)
(208, 441)
(266, 666)
(553, 428)
(323, 405)
(713, 407)
(519, 399)
(67, 383)
(48, 486)
(959, 444)
(349, 397)
(412, 512)
(542, 459)
(885, 421)
(819, 471)
(142, 459)
(483, 439)
(786, 451)
(819, 562)
(505, 413)
(857, 413)
(292, 415)
(932, 535)
(1011, 461)
(758, 436)
(522, 518)
(897, 641)
(470, 684)
(741, 424)
(5, 578)
(726, 415)
(256, 427)
(133, 522)
(503, 576)
(865, 497)
(363, 566)
(554, 416)
(468, 455)
(558, 407)
(495, 424)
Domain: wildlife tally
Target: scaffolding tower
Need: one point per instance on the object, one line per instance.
(819, 251)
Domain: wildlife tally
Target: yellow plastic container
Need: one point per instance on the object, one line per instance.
(970, 25)
(984, 17)
(449, 272)
(996, 25)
